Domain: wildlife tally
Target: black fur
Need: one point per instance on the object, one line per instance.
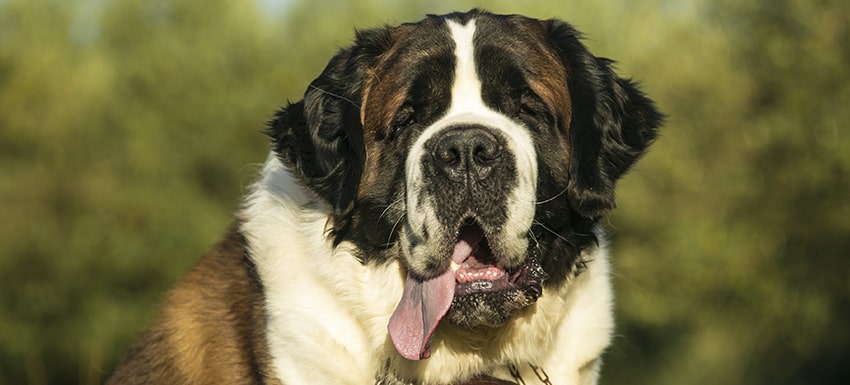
(613, 123)
(321, 138)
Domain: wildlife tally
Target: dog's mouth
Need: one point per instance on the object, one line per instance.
(476, 269)
(474, 272)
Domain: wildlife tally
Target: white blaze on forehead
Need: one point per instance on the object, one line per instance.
(466, 90)
(468, 107)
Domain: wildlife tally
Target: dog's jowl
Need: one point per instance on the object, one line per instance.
(428, 214)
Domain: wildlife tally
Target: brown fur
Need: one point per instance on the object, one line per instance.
(550, 77)
(383, 94)
(211, 329)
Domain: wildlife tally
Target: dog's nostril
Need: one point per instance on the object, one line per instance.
(487, 153)
(449, 156)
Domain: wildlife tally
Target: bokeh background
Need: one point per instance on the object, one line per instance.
(129, 129)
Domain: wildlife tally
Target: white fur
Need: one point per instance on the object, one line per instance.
(328, 313)
(468, 107)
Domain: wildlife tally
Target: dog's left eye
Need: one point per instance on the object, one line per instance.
(526, 109)
(529, 105)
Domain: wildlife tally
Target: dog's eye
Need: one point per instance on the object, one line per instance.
(529, 105)
(405, 117)
(527, 109)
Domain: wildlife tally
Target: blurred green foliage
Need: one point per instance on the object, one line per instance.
(130, 128)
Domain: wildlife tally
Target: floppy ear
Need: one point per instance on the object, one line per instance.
(612, 123)
(320, 137)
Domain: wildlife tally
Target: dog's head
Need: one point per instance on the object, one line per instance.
(478, 150)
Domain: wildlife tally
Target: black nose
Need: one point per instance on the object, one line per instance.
(467, 152)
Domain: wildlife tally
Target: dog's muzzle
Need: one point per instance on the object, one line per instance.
(467, 262)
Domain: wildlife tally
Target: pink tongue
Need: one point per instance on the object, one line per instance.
(422, 306)
(424, 303)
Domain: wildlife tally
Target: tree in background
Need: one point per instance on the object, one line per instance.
(732, 242)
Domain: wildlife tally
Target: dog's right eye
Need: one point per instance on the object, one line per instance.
(404, 118)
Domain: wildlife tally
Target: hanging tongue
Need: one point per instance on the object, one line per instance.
(424, 303)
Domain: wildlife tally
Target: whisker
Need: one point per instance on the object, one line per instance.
(392, 230)
(553, 198)
(534, 237)
(389, 206)
(553, 232)
(628, 281)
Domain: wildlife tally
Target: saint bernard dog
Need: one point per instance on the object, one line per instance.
(429, 214)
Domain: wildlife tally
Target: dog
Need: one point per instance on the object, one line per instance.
(428, 214)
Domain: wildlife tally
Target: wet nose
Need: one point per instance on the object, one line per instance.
(467, 152)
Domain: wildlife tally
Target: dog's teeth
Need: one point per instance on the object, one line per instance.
(454, 266)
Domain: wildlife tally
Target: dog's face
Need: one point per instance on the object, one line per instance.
(478, 150)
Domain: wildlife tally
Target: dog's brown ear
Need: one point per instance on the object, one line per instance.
(612, 124)
(320, 137)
